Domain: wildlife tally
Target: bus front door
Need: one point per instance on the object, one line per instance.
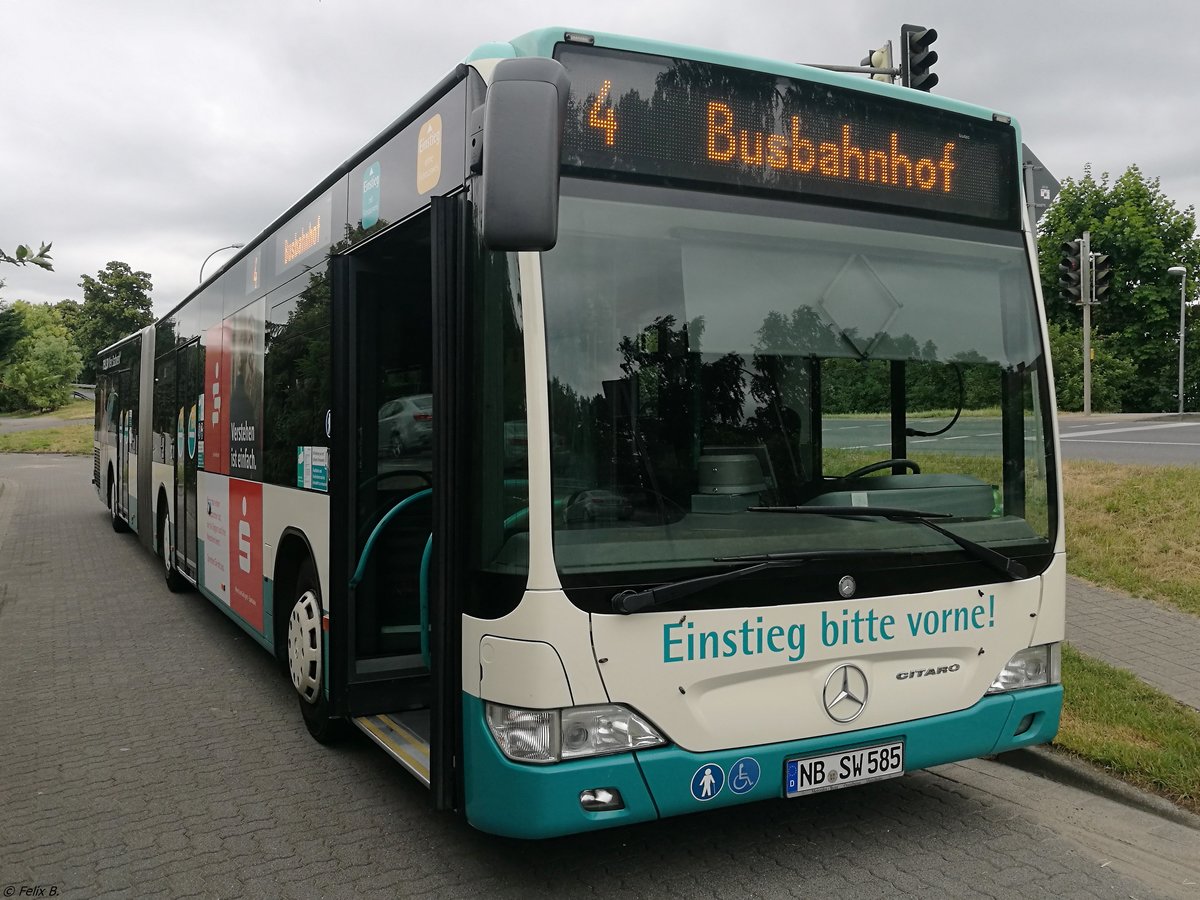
(399, 349)
(385, 499)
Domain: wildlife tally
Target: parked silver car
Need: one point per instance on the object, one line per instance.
(405, 425)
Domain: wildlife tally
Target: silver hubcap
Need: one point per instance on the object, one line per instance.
(166, 545)
(304, 646)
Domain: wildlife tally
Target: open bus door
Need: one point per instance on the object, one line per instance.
(394, 621)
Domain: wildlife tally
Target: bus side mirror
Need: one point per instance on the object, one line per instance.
(522, 152)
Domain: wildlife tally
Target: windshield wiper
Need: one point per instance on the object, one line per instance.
(1004, 565)
(635, 601)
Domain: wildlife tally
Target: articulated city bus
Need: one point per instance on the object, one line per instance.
(627, 430)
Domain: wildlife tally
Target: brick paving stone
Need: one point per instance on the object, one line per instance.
(1134, 635)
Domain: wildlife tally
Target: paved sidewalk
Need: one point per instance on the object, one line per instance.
(1159, 645)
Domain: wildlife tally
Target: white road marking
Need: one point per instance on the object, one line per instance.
(1129, 428)
(1139, 443)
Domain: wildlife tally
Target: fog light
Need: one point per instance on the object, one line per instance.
(601, 799)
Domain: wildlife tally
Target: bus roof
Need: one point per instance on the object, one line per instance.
(542, 43)
(124, 340)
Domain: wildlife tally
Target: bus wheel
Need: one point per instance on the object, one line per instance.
(306, 663)
(175, 582)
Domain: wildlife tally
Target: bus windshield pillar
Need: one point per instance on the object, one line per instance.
(898, 404)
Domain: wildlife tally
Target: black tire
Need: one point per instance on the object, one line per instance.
(118, 524)
(175, 582)
(305, 642)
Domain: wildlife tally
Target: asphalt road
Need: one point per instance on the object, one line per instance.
(1151, 439)
(150, 748)
(1144, 440)
(13, 423)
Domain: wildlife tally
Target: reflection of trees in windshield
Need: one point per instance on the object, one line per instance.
(863, 385)
(644, 433)
(672, 98)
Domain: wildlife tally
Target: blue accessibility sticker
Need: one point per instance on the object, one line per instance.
(708, 781)
(744, 775)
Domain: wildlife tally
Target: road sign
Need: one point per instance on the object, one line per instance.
(1040, 186)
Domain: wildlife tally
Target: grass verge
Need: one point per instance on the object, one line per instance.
(1113, 720)
(76, 409)
(1133, 529)
(73, 439)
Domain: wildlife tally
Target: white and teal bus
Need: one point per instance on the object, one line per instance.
(628, 430)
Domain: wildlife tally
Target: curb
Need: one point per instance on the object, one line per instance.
(1061, 767)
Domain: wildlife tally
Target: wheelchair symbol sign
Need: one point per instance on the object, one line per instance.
(744, 775)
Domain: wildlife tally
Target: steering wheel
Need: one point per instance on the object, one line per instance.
(882, 464)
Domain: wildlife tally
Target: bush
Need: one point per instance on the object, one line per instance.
(1111, 374)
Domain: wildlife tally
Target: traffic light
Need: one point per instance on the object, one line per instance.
(880, 58)
(1071, 272)
(1101, 275)
(916, 57)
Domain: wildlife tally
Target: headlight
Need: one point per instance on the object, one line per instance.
(596, 730)
(552, 735)
(1031, 667)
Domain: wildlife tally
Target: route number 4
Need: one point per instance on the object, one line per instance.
(603, 116)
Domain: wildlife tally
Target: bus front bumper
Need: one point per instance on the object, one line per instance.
(540, 801)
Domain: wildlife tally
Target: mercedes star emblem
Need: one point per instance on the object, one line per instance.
(845, 693)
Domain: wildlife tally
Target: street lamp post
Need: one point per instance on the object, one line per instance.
(1181, 271)
(214, 253)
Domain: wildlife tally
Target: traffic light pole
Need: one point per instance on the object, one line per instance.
(1085, 279)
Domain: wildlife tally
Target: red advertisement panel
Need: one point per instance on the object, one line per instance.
(246, 551)
(216, 399)
(246, 343)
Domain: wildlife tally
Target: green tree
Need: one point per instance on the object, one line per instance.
(68, 312)
(1144, 233)
(1110, 372)
(10, 321)
(24, 255)
(42, 363)
(12, 329)
(115, 303)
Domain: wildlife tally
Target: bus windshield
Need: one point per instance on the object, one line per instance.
(712, 355)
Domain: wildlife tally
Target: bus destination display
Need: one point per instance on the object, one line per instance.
(685, 120)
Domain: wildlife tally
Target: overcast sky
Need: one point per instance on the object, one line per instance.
(155, 132)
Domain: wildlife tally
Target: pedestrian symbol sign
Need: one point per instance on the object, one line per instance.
(708, 781)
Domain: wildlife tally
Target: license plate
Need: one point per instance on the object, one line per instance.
(813, 774)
